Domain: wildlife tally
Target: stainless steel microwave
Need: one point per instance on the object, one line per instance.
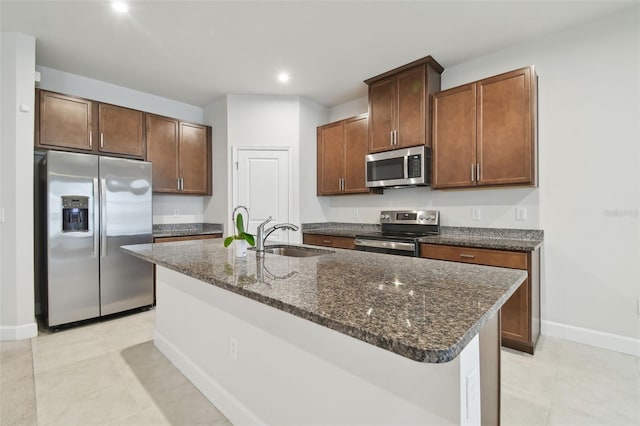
(399, 168)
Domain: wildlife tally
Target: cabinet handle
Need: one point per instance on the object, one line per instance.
(473, 173)
(391, 137)
(90, 139)
(101, 140)
(478, 171)
(181, 184)
(395, 137)
(326, 241)
(178, 183)
(467, 256)
(343, 186)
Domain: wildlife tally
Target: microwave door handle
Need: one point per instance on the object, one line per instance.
(405, 160)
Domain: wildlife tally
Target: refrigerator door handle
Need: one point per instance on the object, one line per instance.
(96, 224)
(103, 221)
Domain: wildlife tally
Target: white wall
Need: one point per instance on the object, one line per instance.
(264, 121)
(589, 193)
(166, 208)
(216, 206)
(17, 85)
(312, 207)
(73, 84)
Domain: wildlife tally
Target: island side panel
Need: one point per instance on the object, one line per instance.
(292, 371)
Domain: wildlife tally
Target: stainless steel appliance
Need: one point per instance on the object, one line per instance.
(91, 206)
(399, 168)
(400, 231)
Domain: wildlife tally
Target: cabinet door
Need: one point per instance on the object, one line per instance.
(194, 159)
(331, 158)
(162, 151)
(329, 241)
(505, 129)
(454, 137)
(65, 121)
(355, 147)
(516, 315)
(121, 130)
(382, 95)
(410, 116)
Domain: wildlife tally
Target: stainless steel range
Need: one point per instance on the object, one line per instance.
(400, 231)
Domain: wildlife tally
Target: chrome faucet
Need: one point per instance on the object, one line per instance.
(262, 234)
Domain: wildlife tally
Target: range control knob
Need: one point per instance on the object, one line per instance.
(384, 217)
(422, 217)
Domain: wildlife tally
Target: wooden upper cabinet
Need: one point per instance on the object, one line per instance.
(64, 121)
(195, 159)
(342, 147)
(506, 124)
(181, 155)
(454, 137)
(399, 105)
(381, 113)
(355, 149)
(411, 119)
(484, 133)
(121, 130)
(331, 155)
(162, 151)
(70, 123)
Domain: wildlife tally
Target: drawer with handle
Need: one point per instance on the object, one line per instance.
(505, 259)
(329, 241)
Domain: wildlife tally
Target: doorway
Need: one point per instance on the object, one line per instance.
(262, 181)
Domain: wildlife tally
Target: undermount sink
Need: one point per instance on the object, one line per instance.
(295, 251)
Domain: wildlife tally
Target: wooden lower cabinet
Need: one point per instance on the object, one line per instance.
(329, 241)
(520, 315)
(186, 238)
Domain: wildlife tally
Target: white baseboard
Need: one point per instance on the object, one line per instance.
(613, 342)
(18, 332)
(236, 412)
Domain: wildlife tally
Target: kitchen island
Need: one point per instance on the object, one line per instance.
(345, 337)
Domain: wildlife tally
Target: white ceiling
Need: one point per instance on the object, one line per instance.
(196, 51)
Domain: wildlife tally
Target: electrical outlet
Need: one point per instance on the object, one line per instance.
(233, 348)
(355, 212)
(176, 213)
(638, 305)
(1, 214)
(475, 213)
(521, 213)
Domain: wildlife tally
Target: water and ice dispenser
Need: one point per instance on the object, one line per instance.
(75, 213)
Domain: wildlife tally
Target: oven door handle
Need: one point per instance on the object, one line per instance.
(393, 245)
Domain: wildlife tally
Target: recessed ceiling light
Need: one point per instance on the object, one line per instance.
(120, 6)
(283, 77)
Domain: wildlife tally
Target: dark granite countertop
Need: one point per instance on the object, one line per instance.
(186, 229)
(426, 310)
(488, 238)
(338, 229)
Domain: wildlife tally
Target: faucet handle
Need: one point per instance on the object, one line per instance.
(265, 222)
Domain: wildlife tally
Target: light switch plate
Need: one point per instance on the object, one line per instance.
(475, 213)
(1, 214)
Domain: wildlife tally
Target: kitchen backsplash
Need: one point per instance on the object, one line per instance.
(177, 209)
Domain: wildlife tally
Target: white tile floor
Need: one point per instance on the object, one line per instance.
(109, 373)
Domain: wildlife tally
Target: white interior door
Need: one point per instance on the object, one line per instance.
(262, 183)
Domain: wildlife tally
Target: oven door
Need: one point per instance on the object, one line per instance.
(400, 248)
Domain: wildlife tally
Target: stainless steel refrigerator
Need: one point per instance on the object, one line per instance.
(93, 205)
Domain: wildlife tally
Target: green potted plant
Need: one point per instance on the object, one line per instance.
(241, 238)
